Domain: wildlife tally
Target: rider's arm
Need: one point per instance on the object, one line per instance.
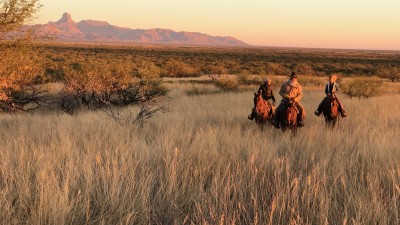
(272, 95)
(259, 89)
(282, 91)
(299, 94)
(326, 89)
(336, 87)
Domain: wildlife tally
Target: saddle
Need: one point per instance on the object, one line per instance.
(333, 100)
(290, 103)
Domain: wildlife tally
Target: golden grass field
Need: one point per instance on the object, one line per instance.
(203, 162)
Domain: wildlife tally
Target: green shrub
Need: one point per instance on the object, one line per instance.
(21, 76)
(277, 69)
(243, 77)
(362, 87)
(392, 73)
(256, 81)
(312, 81)
(181, 69)
(97, 84)
(215, 70)
(226, 84)
(304, 68)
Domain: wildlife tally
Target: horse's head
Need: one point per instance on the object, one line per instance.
(331, 108)
(289, 114)
(257, 98)
(289, 103)
(332, 97)
(262, 109)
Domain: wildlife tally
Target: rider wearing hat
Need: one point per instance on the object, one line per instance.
(267, 94)
(290, 90)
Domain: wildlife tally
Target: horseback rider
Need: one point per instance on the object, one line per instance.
(330, 90)
(290, 90)
(267, 94)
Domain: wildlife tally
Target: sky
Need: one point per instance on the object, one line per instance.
(345, 24)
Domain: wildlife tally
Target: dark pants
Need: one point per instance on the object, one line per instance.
(341, 110)
(301, 116)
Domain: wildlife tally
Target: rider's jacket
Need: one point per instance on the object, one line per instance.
(331, 87)
(291, 90)
(267, 92)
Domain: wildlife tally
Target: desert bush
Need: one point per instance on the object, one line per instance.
(215, 72)
(362, 87)
(20, 77)
(243, 77)
(180, 69)
(148, 84)
(213, 69)
(20, 70)
(226, 84)
(311, 81)
(90, 84)
(392, 73)
(304, 68)
(98, 84)
(277, 69)
(256, 80)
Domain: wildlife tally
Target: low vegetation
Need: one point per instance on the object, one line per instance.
(363, 87)
(195, 61)
(97, 84)
(20, 77)
(227, 84)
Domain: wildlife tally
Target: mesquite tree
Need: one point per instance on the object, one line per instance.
(20, 70)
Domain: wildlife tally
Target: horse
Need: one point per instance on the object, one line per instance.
(288, 116)
(330, 109)
(264, 110)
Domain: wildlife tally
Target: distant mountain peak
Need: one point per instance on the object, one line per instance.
(102, 32)
(66, 18)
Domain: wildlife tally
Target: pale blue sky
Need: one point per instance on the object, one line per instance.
(297, 23)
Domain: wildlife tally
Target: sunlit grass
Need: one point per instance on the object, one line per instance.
(202, 163)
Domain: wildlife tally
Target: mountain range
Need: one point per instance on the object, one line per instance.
(67, 30)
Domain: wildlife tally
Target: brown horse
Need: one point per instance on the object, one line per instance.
(264, 110)
(331, 111)
(288, 116)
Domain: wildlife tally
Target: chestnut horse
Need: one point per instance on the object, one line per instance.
(331, 111)
(264, 110)
(288, 117)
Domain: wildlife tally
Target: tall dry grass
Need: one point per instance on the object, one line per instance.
(202, 163)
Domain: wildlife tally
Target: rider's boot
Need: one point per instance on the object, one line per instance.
(300, 123)
(250, 117)
(317, 113)
(344, 114)
(252, 114)
(275, 124)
